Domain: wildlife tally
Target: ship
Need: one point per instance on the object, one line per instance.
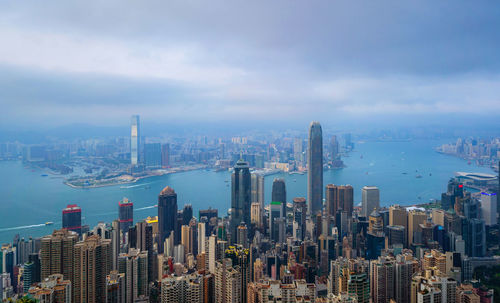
(418, 176)
(49, 223)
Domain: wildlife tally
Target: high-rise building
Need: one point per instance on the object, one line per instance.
(167, 213)
(395, 234)
(370, 200)
(257, 189)
(489, 208)
(115, 287)
(255, 214)
(92, 263)
(57, 254)
(398, 216)
(359, 285)
(115, 242)
(165, 155)
(275, 213)
(339, 197)
(279, 193)
(240, 196)
(415, 218)
(240, 258)
(125, 214)
(152, 155)
(334, 148)
(183, 289)
(315, 168)
(299, 214)
(72, 218)
(382, 279)
(298, 149)
(228, 282)
(135, 267)
(135, 140)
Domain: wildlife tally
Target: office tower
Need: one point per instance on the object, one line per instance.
(167, 214)
(37, 268)
(395, 234)
(115, 242)
(334, 148)
(92, 263)
(57, 254)
(474, 234)
(240, 196)
(255, 214)
(72, 218)
(375, 223)
(152, 155)
(187, 214)
(135, 267)
(299, 214)
(279, 193)
(144, 242)
(242, 235)
(370, 200)
(212, 253)
(201, 238)
(257, 189)
(115, 287)
(359, 285)
(135, 140)
(382, 279)
(28, 276)
(165, 155)
(398, 216)
(275, 212)
(415, 218)
(298, 151)
(186, 239)
(489, 208)
(227, 282)
(315, 169)
(53, 289)
(125, 214)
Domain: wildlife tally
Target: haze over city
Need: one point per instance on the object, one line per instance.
(249, 151)
(173, 63)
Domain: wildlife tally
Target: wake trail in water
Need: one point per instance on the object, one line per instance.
(147, 207)
(23, 227)
(136, 185)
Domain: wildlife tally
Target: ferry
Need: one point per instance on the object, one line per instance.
(49, 223)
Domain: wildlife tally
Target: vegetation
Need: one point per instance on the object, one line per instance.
(489, 276)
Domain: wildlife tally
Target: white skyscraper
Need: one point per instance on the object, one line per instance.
(489, 208)
(201, 238)
(135, 139)
(370, 199)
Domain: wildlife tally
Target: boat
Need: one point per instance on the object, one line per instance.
(49, 223)
(361, 157)
(430, 174)
(404, 173)
(44, 175)
(418, 176)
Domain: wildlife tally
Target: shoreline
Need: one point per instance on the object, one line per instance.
(134, 180)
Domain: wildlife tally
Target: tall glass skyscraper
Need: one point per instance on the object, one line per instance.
(240, 196)
(135, 138)
(278, 193)
(315, 168)
(167, 214)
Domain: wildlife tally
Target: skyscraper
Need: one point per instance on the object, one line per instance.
(125, 214)
(257, 189)
(315, 168)
(92, 264)
(370, 200)
(57, 254)
(275, 213)
(240, 196)
(334, 148)
(135, 140)
(279, 194)
(167, 214)
(72, 218)
(165, 155)
(152, 155)
(339, 197)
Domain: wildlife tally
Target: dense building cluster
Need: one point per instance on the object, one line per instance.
(321, 248)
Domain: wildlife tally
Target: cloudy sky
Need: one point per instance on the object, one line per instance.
(64, 62)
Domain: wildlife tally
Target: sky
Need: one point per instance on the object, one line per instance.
(255, 62)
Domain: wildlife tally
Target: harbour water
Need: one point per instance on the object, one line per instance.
(28, 200)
